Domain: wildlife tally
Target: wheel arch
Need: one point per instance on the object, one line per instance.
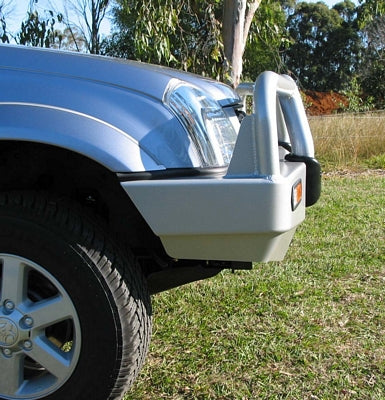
(27, 165)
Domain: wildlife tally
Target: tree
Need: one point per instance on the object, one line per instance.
(267, 40)
(372, 69)
(72, 40)
(369, 10)
(40, 32)
(325, 45)
(3, 24)
(90, 16)
(237, 18)
(371, 20)
(185, 34)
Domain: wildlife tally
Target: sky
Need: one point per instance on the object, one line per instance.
(17, 11)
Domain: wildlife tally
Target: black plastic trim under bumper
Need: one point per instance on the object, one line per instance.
(172, 173)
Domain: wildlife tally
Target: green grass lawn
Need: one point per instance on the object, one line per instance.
(310, 327)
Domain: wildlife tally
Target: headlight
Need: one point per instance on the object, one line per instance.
(209, 128)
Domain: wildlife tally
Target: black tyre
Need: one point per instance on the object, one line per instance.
(75, 314)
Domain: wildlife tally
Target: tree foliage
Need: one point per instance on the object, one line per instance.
(325, 45)
(372, 70)
(267, 40)
(3, 24)
(179, 34)
(40, 32)
(369, 10)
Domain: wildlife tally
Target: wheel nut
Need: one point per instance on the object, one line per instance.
(27, 345)
(7, 352)
(28, 321)
(9, 305)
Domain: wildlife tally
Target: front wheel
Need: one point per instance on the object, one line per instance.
(75, 315)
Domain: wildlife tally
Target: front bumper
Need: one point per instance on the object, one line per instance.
(248, 214)
(232, 219)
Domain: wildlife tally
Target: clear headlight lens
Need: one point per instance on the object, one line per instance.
(210, 129)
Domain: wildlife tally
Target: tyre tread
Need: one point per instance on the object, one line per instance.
(117, 266)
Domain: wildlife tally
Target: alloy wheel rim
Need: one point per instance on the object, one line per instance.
(40, 336)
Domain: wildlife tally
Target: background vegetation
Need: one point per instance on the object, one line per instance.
(350, 141)
(326, 49)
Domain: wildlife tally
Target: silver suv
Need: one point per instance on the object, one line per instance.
(119, 180)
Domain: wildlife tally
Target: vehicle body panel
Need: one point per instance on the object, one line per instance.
(222, 219)
(124, 97)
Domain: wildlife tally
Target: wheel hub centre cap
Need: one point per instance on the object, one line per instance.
(9, 332)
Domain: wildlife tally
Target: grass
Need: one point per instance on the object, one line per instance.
(310, 327)
(350, 140)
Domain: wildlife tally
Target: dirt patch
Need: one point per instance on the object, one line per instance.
(352, 174)
(322, 103)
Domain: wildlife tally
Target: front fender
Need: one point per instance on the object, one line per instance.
(127, 131)
(77, 132)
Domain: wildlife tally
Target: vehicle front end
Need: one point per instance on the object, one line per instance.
(119, 180)
(249, 194)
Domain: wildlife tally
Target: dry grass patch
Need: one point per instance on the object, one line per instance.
(344, 140)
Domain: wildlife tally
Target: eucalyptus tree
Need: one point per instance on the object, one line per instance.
(86, 30)
(267, 40)
(179, 34)
(372, 70)
(3, 23)
(369, 10)
(325, 45)
(202, 36)
(237, 18)
(40, 31)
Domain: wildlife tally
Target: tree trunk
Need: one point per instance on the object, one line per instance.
(237, 18)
